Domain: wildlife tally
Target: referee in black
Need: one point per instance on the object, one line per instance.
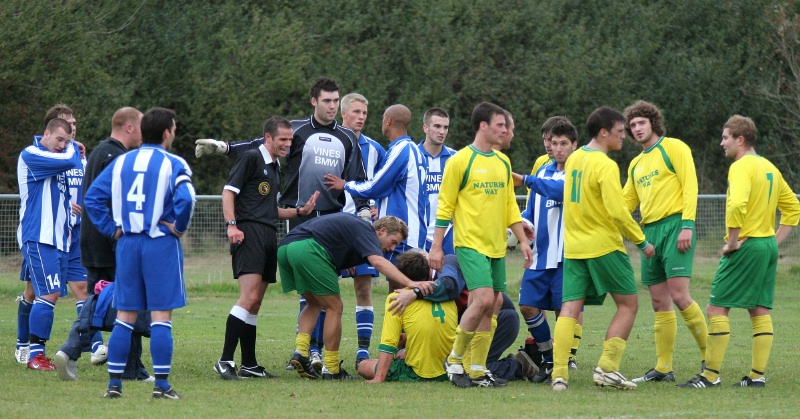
(250, 207)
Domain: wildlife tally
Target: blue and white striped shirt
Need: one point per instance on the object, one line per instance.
(44, 194)
(75, 184)
(145, 186)
(400, 185)
(433, 181)
(372, 153)
(545, 211)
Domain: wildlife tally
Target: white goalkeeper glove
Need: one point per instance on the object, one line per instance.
(209, 146)
(365, 215)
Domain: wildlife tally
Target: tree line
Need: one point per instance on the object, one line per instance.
(226, 66)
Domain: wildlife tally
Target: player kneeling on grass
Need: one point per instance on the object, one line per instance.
(430, 329)
(310, 258)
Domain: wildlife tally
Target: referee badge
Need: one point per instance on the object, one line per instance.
(263, 188)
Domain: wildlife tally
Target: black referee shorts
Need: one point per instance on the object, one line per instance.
(258, 252)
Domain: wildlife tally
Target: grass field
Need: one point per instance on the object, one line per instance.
(198, 334)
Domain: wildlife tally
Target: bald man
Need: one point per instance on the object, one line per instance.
(400, 182)
(97, 250)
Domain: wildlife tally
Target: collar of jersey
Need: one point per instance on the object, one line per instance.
(316, 125)
(649, 149)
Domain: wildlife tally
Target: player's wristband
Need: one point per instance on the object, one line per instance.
(642, 245)
(417, 292)
(298, 211)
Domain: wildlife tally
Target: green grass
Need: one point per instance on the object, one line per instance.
(199, 328)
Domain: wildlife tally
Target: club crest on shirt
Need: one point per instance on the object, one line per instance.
(263, 188)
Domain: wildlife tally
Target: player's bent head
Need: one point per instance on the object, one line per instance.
(742, 126)
(323, 84)
(414, 265)
(392, 224)
(349, 98)
(274, 123)
(484, 112)
(56, 123)
(603, 118)
(154, 122)
(564, 128)
(642, 109)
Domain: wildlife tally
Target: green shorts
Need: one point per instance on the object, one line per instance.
(306, 267)
(481, 271)
(746, 277)
(668, 261)
(594, 278)
(400, 371)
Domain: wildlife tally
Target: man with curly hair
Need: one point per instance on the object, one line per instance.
(662, 182)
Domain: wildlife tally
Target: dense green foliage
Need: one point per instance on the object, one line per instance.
(226, 66)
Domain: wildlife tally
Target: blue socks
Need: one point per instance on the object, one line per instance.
(161, 351)
(540, 330)
(365, 318)
(23, 322)
(41, 324)
(119, 344)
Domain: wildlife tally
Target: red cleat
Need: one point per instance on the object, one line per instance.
(41, 363)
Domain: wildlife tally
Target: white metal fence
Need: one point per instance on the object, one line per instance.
(206, 247)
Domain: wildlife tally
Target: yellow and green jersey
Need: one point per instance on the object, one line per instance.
(430, 330)
(477, 191)
(662, 181)
(594, 209)
(756, 189)
(541, 161)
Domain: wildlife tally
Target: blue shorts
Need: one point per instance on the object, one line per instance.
(542, 288)
(46, 266)
(75, 270)
(24, 272)
(363, 269)
(149, 273)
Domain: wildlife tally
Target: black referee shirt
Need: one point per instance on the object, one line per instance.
(255, 179)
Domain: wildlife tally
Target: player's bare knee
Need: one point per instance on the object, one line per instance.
(528, 311)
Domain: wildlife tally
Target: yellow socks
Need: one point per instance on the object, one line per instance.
(719, 336)
(301, 343)
(479, 349)
(463, 338)
(696, 322)
(762, 344)
(613, 349)
(563, 336)
(331, 360)
(666, 328)
(576, 340)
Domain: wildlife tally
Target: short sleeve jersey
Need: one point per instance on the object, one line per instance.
(255, 179)
(478, 193)
(348, 239)
(662, 181)
(594, 210)
(430, 329)
(756, 189)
